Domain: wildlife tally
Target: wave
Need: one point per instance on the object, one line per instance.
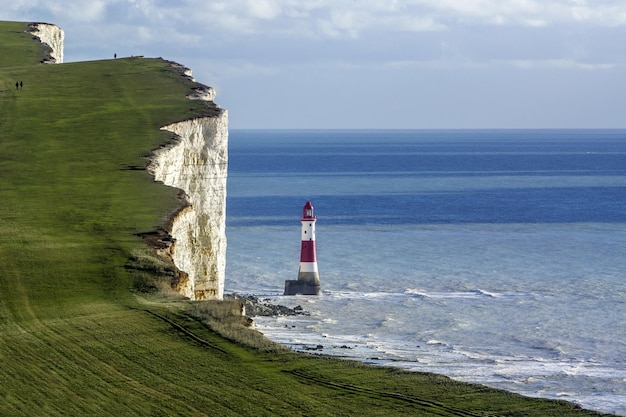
(454, 294)
(362, 295)
(419, 293)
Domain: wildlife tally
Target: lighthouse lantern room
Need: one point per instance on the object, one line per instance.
(307, 211)
(308, 282)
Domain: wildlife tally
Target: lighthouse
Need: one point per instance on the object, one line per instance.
(308, 282)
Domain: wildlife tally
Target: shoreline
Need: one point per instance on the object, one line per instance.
(294, 336)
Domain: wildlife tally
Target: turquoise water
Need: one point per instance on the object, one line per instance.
(494, 257)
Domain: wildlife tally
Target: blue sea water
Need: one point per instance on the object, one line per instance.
(495, 256)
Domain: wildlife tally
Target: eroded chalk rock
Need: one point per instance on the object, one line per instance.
(197, 163)
(52, 36)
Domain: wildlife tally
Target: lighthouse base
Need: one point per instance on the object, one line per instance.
(295, 287)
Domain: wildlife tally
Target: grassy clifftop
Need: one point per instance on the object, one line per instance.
(17, 46)
(74, 340)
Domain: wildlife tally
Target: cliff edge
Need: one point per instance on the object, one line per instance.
(196, 162)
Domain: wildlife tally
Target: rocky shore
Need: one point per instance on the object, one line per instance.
(255, 307)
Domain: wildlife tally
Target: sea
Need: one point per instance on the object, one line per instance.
(495, 257)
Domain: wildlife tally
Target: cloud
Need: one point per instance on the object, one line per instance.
(264, 9)
(315, 18)
(85, 10)
(352, 22)
(332, 19)
(531, 12)
(350, 18)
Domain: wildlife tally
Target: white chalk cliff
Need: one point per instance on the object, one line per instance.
(51, 35)
(197, 163)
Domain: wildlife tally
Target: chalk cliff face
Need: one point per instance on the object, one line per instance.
(51, 35)
(197, 163)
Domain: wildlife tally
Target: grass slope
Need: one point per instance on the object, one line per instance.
(17, 47)
(74, 339)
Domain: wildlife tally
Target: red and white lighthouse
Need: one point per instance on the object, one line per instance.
(308, 282)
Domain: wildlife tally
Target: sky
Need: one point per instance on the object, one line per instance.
(371, 64)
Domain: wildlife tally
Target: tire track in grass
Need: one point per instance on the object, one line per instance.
(187, 332)
(66, 363)
(432, 407)
(14, 291)
(8, 100)
(120, 375)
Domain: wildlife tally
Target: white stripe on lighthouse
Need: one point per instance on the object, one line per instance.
(308, 267)
(308, 229)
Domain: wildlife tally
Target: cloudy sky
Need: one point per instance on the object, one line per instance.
(372, 63)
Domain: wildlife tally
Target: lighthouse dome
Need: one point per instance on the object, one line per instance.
(307, 211)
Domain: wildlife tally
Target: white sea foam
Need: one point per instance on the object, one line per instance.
(463, 294)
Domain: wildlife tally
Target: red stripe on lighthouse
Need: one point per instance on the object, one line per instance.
(307, 252)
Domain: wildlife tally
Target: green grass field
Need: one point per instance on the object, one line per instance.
(76, 339)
